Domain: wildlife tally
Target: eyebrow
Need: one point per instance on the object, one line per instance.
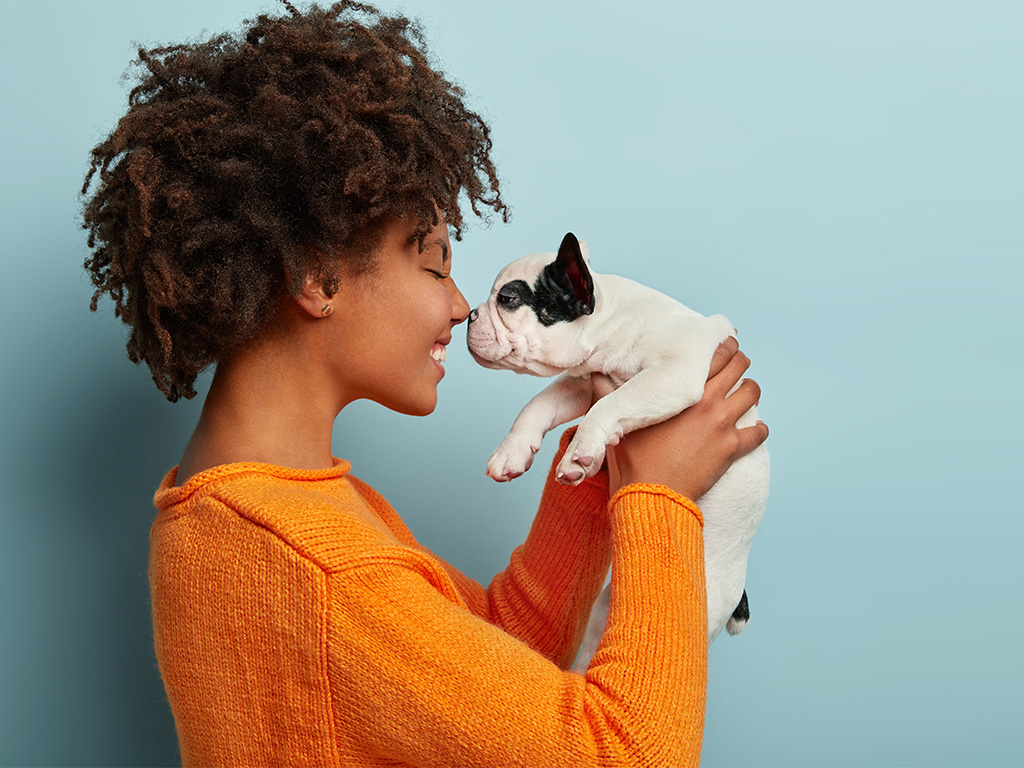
(439, 241)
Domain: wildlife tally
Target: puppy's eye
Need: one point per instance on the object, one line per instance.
(509, 300)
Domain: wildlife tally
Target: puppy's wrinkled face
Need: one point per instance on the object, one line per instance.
(531, 321)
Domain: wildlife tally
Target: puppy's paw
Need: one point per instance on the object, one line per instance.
(582, 459)
(740, 617)
(574, 469)
(720, 327)
(513, 457)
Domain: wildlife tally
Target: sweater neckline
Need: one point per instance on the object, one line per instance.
(169, 494)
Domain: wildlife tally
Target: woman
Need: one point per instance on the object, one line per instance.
(279, 204)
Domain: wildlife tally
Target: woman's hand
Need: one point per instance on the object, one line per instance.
(691, 451)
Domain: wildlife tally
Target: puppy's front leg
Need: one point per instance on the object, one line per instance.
(565, 399)
(662, 389)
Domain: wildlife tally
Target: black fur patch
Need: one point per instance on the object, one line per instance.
(563, 292)
(551, 301)
(742, 612)
(515, 294)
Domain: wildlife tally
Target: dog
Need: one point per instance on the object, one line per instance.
(549, 314)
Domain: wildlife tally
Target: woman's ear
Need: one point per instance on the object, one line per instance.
(319, 285)
(313, 299)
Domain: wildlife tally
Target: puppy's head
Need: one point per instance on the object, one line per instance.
(532, 320)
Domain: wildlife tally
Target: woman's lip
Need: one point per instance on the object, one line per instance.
(439, 353)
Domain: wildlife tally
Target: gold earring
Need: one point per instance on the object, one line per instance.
(326, 310)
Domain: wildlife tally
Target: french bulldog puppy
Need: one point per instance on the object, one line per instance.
(549, 314)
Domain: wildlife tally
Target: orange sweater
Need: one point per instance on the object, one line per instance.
(298, 622)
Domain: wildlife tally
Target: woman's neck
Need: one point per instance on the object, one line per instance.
(264, 405)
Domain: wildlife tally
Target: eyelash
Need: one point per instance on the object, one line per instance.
(438, 275)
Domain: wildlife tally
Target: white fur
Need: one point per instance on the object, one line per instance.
(657, 353)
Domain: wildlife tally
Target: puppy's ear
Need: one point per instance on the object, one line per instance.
(571, 267)
(585, 251)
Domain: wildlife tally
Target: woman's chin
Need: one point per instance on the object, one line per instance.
(422, 406)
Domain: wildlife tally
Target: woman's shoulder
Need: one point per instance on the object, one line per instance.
(326, 515)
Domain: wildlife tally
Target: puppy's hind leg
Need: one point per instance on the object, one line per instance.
(738, 621)
(565, 399)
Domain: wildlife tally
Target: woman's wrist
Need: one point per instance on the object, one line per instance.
(623, 472)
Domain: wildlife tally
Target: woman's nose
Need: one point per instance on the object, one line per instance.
(460, 307)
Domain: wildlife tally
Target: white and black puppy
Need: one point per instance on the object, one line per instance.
(549, 314)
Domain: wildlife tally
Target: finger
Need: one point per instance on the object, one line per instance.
(747, 395)
(611, 462)
(723, 355)
(751, 437)
(729, 376)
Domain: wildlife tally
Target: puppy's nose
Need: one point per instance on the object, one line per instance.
(474, 315)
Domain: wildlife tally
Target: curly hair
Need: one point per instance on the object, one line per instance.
(243, 160)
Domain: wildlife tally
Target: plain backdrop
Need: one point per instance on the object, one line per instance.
(844, 180)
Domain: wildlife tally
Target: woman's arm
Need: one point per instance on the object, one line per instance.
(417, 679)
(544, 596)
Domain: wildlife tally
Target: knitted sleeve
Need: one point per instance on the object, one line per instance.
(544, 596)
(419, 680)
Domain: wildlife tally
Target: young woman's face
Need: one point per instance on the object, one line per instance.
(394, 322)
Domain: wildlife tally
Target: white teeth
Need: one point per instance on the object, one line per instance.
(440, 354)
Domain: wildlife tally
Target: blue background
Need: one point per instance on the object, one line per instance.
(844, 180)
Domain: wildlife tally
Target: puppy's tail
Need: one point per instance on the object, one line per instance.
(738, 621)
